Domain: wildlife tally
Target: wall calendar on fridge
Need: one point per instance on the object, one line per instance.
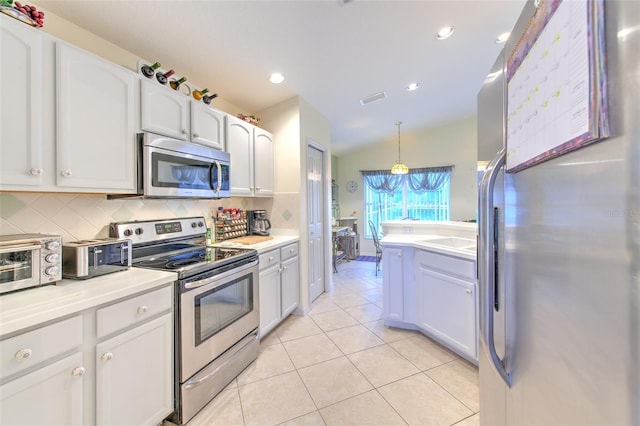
(556, 83)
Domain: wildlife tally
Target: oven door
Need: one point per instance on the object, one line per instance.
(214, 314)
(19, 266)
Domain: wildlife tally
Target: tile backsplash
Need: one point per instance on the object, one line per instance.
(86, 216)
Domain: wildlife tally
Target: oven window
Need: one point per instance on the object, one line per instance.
(170, 171)
(222, 306)
(16, 266)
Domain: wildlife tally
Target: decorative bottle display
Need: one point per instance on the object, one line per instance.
(208, 98)
(175, 84)
(163, 78)
(149, 70)
(199, 93)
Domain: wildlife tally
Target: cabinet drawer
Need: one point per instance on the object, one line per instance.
(131, 311)
(33, 347)
(289, 251)
(449, 265)
(269, 258)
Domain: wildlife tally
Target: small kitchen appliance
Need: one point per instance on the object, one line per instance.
(29, 260)
(258, 222)
(216, 304)
(91, 258)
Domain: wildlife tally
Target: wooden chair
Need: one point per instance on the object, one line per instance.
(376, 242)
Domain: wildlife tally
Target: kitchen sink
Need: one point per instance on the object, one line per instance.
(453, 242)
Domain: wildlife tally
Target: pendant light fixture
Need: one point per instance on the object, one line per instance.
(399, 168)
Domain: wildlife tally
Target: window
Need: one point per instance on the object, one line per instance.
(406, 197)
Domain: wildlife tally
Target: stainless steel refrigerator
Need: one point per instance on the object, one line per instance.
(559, 258)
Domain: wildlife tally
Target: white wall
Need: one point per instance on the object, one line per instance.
(454, 144)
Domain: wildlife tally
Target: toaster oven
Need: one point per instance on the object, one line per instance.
(29, 260)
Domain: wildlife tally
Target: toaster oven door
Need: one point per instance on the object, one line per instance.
(19, 267)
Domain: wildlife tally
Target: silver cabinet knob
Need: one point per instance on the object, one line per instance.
(66, 173)
(468, 291)
(184, 131)
(35, 171)
(399, 254)
(23, 354)
(142, 309)
(78, 371)
(257, 188)
(108, 356)
(196, 135)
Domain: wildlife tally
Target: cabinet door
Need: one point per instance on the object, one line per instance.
(163, 111)
(207, 126)
(270, 297)
(392, 284)
(134, 375)
(290, 285)
(239, 146)
(447, 309)
(51, 395)
(263, 162)
(95, 122)
(21, 161)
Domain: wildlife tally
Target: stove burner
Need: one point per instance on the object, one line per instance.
(185, 259)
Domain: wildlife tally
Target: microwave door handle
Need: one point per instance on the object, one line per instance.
(23, 246)
(219, 176)
(211, 183)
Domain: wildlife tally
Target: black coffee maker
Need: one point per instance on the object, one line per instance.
(257, 222)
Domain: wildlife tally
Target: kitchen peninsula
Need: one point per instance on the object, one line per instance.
(430, 281)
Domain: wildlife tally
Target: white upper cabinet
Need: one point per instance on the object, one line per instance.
(164, 111)
(251, 150)
(20, 104)
(170, 113)
(95, 122)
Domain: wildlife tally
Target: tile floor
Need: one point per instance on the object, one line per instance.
(339, 365)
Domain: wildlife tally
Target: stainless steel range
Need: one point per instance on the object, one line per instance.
(216, 308)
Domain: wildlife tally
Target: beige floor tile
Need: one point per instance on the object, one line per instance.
(365, 313)
(333, 381)
(354, 338)
(470, 421)
(374, 295)
(421, 401)
(460, 379)
(224, 410)
(270, 339)
(275, 400)
(423, 352)
(295, 327)
(389, 334)
(311, 419)
(348, 300)
(382, 365)
(333, 320)
(311, 350)
(323, 305)
(273, 360)
(366, 409)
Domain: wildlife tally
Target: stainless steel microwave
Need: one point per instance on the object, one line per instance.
(171, 168)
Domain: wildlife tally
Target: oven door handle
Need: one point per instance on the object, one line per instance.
(22, 246)
(206, 281)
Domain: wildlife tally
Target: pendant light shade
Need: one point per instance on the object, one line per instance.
(399, 168)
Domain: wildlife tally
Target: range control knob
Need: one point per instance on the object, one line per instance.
(128, 232)
(200, 224)
(194, 225)
(139, 231)
(52, 245)
(52, 258)
(52, 270)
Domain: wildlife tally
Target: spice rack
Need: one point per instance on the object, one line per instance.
(230, 223)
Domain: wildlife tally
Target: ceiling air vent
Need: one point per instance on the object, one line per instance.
(373, 98)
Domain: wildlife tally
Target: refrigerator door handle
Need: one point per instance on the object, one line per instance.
(487, 261)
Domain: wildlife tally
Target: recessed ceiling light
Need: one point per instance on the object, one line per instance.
(276, 78)
(413, 86)
(503, 37)
(444, 32)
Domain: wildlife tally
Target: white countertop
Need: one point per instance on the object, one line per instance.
(275, 242)
(467, 249)
(34, 306)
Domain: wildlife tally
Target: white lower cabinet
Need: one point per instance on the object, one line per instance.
(447, 300)
(393, 284)
(111, 365)
(134, 375)
(279, 286)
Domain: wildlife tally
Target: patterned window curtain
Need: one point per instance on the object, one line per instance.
(382, 180)
(428, 179)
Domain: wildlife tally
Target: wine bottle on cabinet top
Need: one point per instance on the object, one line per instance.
(149, 70)
(199, 93)
(175, 84)
(163, 78)
(208, 98)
